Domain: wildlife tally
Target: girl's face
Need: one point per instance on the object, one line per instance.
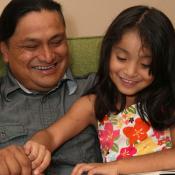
(129, 65)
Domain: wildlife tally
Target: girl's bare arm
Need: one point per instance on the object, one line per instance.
(79, 116)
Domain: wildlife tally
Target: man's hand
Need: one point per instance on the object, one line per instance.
(13, 161)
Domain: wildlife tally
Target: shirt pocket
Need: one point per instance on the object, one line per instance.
(12, 133)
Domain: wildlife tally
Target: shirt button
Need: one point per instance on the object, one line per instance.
(2, 134)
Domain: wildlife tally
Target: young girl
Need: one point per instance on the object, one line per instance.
(131, 103)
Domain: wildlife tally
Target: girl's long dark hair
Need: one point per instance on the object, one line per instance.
(156, 102)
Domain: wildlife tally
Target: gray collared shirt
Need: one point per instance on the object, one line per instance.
(22, 114)
(72, 86)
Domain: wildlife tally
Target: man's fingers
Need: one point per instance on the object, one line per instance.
(13, 165)
(24, 162)
(15, 161)
(4, 167)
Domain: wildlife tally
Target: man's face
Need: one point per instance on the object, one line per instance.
(37, 53)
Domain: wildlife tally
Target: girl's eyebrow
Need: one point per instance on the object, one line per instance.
(121, 49)
(147, 55)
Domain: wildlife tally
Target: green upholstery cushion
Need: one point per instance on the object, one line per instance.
(2, 67)
(84, 54)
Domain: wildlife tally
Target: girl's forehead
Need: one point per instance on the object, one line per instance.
(132, 42)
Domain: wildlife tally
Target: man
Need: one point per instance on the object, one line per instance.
(38, 87)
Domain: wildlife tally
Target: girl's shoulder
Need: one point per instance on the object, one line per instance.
(128, 113)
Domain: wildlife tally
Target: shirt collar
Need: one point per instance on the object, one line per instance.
(13, 84)
(71, 83)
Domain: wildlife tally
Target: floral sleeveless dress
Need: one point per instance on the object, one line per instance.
(125, 135)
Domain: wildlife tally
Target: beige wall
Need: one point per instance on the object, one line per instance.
(91, 17)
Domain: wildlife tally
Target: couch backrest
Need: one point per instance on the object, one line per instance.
(84, 55)
(2, 67)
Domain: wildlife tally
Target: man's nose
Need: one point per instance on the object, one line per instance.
(47, 54)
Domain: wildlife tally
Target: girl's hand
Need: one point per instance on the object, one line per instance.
(39, 155)
(96, 168)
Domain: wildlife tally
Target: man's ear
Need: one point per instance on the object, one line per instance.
(4, 51)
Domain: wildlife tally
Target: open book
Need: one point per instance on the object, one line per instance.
(150, 173)
(157, 173)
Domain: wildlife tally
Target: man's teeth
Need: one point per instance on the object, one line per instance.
(43, 67)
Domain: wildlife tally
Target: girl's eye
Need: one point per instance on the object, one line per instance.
(121, 58)
(146, 66)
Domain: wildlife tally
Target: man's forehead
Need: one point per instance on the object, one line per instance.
(43, 13)
(42, 26)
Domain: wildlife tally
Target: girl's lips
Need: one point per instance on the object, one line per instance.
(128, 83)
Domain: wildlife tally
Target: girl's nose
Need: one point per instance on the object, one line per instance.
(131, 69)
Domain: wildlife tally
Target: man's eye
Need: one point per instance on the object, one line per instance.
(56, 41)
(30, 46)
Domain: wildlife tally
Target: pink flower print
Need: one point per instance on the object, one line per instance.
(107, 136)
(164, 141)
(127, 118)
(158, 134)
(127, 152)
(105, 118)
(124, 115)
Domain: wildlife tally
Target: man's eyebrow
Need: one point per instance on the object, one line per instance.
(60, 35)
(29, 39)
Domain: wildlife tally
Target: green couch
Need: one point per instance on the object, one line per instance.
(84, 55)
